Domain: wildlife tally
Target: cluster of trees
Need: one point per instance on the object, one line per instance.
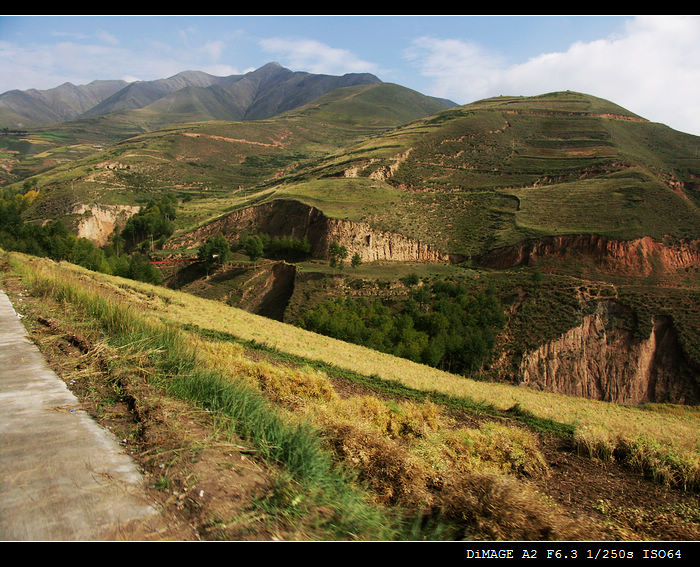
(151, 226)
(289, 248)
(55, 241)
(217, 250)
(443, 325)
(337, 254)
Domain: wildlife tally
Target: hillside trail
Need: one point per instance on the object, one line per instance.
(62, 476)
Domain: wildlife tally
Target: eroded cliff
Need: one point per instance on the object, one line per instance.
(638, 257)
(295, 219)
(98, 222)
(601, 359)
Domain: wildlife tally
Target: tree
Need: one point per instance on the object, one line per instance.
(356, 260)
(254, 247)
(410, 280)
(153, 222)
(215, 251)
(336, 254)
(141, 269)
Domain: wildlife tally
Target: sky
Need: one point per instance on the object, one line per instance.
(650, 65)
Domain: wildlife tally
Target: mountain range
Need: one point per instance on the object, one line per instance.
(187, 96)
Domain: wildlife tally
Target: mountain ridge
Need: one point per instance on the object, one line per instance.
(254, 95)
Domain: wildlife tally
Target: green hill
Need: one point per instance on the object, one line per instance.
(501, 170)
(41, 129)
(212, 162)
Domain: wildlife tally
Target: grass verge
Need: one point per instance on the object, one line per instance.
(309, 469)
(364, 462)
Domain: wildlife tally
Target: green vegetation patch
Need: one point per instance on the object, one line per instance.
(612, 206)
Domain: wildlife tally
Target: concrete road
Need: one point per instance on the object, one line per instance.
(62, 476)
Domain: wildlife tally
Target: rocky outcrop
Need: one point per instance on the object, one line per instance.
(600, 359)
(639, 257)
(97, 222)
(295, 219)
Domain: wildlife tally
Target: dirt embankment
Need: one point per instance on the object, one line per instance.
(264, 288)
(639, 257)
(270, 294)
(97, 222)
(295, 219)
(601, 359)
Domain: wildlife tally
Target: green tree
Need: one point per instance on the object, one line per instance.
(337, 254)
(215, 251)
(356, 260)
(153, 222)
(254, 247)
(140, 268)
(410, 280)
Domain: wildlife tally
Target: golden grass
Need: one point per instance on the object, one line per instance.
(410, 454)
(611, 421)
(600, 427)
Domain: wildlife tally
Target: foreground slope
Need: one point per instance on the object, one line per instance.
(418, 441)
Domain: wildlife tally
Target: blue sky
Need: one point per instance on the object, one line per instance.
(650, 65)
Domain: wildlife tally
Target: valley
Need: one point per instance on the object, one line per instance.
(455, 322)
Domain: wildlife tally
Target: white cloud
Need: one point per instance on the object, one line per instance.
(214, 49)
(652, 69)
(107, 38)
(315, 57)
(222, 70)
(44, 66)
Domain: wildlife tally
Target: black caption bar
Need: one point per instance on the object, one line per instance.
(582, 551)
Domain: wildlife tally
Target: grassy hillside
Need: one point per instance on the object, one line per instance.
(215, 160)
(466, 180)
(495, 172)
(482, 460)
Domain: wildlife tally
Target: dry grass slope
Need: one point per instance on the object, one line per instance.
(480, 479)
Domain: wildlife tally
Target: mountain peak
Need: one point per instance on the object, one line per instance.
(257, 94)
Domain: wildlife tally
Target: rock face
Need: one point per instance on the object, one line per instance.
(292, 218)
(639, 257)
(601, 360)
(270, 296)
(99, 221)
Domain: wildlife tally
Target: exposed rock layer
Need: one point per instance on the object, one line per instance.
(292, 218)
(98, 222)
(600, 359)
(638, 257)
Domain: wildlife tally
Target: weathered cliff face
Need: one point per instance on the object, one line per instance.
(264, 288)
(97, 222)
(601, 360)
(639, 257)
(373, 245)
(292, 218)
(269, 295)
